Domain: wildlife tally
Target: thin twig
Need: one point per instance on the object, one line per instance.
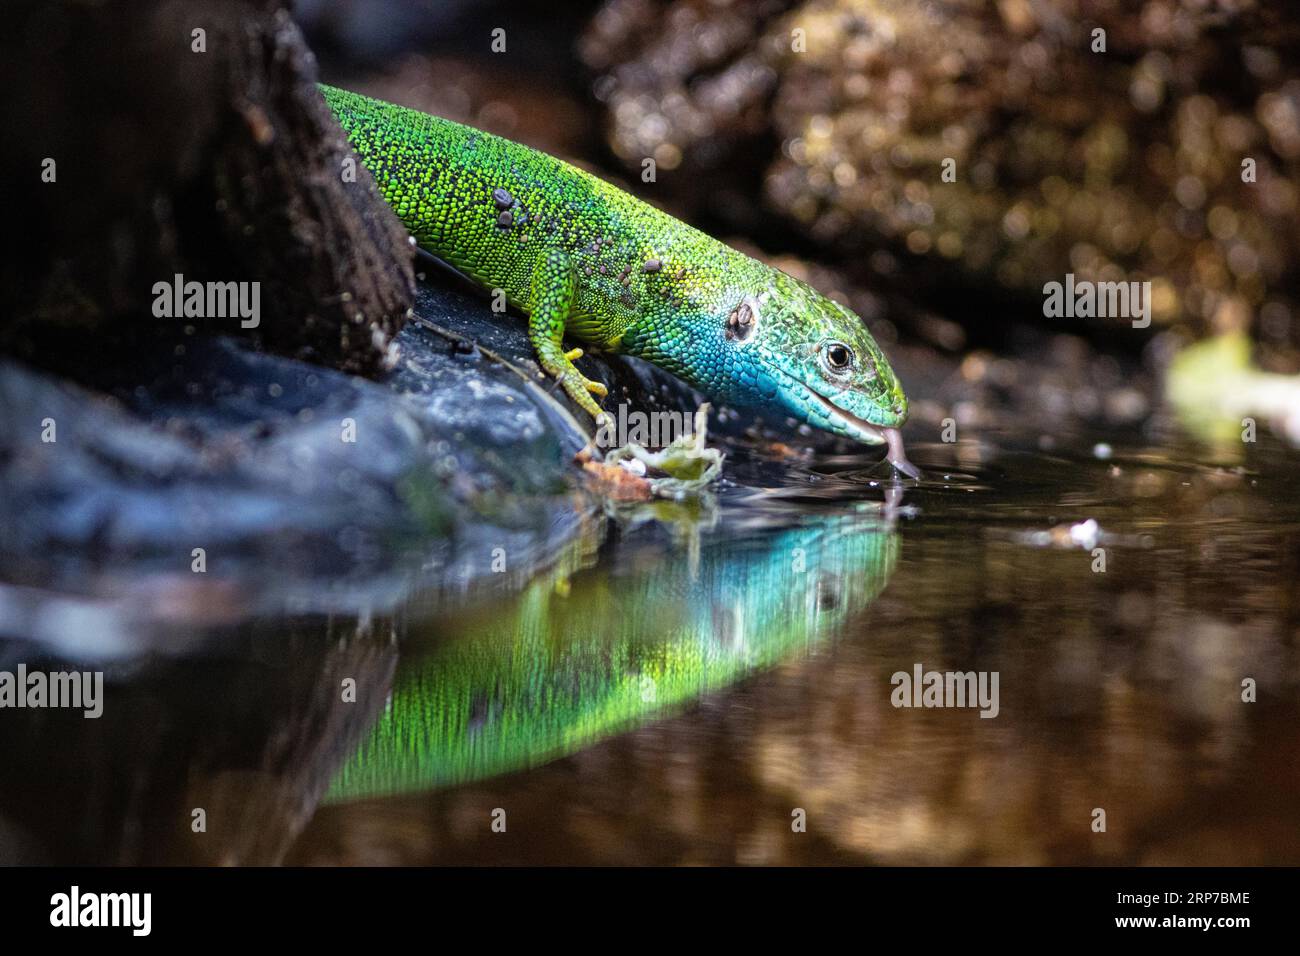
(527, 378)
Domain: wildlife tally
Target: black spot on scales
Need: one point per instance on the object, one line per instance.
(742, 322)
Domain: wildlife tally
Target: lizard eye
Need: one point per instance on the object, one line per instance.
(837, 356)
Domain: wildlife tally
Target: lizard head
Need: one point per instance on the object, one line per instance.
(793, 347)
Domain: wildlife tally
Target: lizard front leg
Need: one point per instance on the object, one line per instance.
(553, 292)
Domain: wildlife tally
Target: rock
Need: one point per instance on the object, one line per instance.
(167, 138)
(308, 490)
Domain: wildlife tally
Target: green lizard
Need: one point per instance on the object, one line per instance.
(586, 259)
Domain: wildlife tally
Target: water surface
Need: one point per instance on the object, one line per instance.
(1120, 689)
(688, 681)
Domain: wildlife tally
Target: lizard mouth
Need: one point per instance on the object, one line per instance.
(865, 431)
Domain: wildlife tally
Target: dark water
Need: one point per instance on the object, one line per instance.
(689, 681)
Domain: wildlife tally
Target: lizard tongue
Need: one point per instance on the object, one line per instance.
(896, 455)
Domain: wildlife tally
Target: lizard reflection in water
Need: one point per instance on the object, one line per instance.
(548, 675)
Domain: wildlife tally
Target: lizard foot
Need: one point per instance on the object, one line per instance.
(580, 389)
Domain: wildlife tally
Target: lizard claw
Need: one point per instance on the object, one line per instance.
(580, 389)
(573, 355)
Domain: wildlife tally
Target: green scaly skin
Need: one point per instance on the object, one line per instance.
(585, 259)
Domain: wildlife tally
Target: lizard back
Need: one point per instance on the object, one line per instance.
(490, 208)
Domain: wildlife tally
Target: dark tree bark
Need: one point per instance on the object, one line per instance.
(223, 165)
